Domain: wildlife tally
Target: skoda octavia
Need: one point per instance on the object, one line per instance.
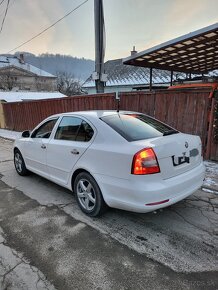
(124, 160)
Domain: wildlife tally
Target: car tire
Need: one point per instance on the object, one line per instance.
(20, 164)
(88, 195)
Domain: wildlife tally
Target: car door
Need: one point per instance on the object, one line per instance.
(36, 148)
(72, 138)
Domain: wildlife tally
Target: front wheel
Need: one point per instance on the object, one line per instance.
(20, 164)
(88, 195)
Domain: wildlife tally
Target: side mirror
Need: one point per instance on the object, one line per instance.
(25, 134)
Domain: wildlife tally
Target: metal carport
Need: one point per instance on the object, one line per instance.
(195, 53)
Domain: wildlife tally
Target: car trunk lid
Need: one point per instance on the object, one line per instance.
(176, 153)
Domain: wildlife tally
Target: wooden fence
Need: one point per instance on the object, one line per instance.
(187, 111)
(21, 116)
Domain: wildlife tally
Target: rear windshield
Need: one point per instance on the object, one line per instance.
(135, 127)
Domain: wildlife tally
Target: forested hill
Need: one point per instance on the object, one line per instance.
(80, 68)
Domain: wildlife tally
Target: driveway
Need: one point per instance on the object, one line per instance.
(46, 242)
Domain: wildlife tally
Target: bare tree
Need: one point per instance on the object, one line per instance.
(7, 82)
(67, 84)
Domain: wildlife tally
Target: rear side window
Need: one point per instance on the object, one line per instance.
(74, 129)
(85, 132)
(135, 127)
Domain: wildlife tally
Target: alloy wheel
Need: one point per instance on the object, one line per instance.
(86, 194)
(18, 162)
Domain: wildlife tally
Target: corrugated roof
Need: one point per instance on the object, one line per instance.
(124, 75)
(195, 53)
(14, 61)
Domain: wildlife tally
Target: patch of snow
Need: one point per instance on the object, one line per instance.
(28, 96)
(211, 175)
(211, 167)
(209, 190)
(209, 181)
(8, 134)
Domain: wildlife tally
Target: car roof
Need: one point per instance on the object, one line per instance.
(96, 113)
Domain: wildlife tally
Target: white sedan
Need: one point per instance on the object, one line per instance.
(124, 160)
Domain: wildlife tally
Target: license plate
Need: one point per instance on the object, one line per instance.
(185, 158)
(178, 160)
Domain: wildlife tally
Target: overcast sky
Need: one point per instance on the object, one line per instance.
(143, 23)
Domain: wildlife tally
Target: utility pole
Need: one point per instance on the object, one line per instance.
(98, 75)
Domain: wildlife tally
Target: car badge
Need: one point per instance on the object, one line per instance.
(186, 144)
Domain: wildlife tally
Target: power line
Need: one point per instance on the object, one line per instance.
(46, 29)
(6, 11)
(2, 2)
(11, 3)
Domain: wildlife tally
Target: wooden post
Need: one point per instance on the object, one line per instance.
(151, 77)
(99, 44)
(2, 116)
(210, 129)
(171, 78)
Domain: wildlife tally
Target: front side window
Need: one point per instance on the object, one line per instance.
(44, 131)
(74, 129)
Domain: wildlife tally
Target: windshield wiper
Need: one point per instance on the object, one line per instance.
(170, 132)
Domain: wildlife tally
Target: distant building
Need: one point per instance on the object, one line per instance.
(16, 75)
(128, 78)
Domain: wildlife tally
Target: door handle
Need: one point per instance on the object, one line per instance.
(74, 151)
(43, 146)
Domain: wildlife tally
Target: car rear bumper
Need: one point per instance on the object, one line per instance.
(134, 194)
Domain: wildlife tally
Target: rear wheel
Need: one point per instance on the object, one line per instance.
(20, 164)
(88, 195)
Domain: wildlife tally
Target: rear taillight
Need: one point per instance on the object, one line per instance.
(145, 162)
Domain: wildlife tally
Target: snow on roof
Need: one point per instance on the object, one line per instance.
(28, 96)
(124, 75)
(127, 75)
(6, 61)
